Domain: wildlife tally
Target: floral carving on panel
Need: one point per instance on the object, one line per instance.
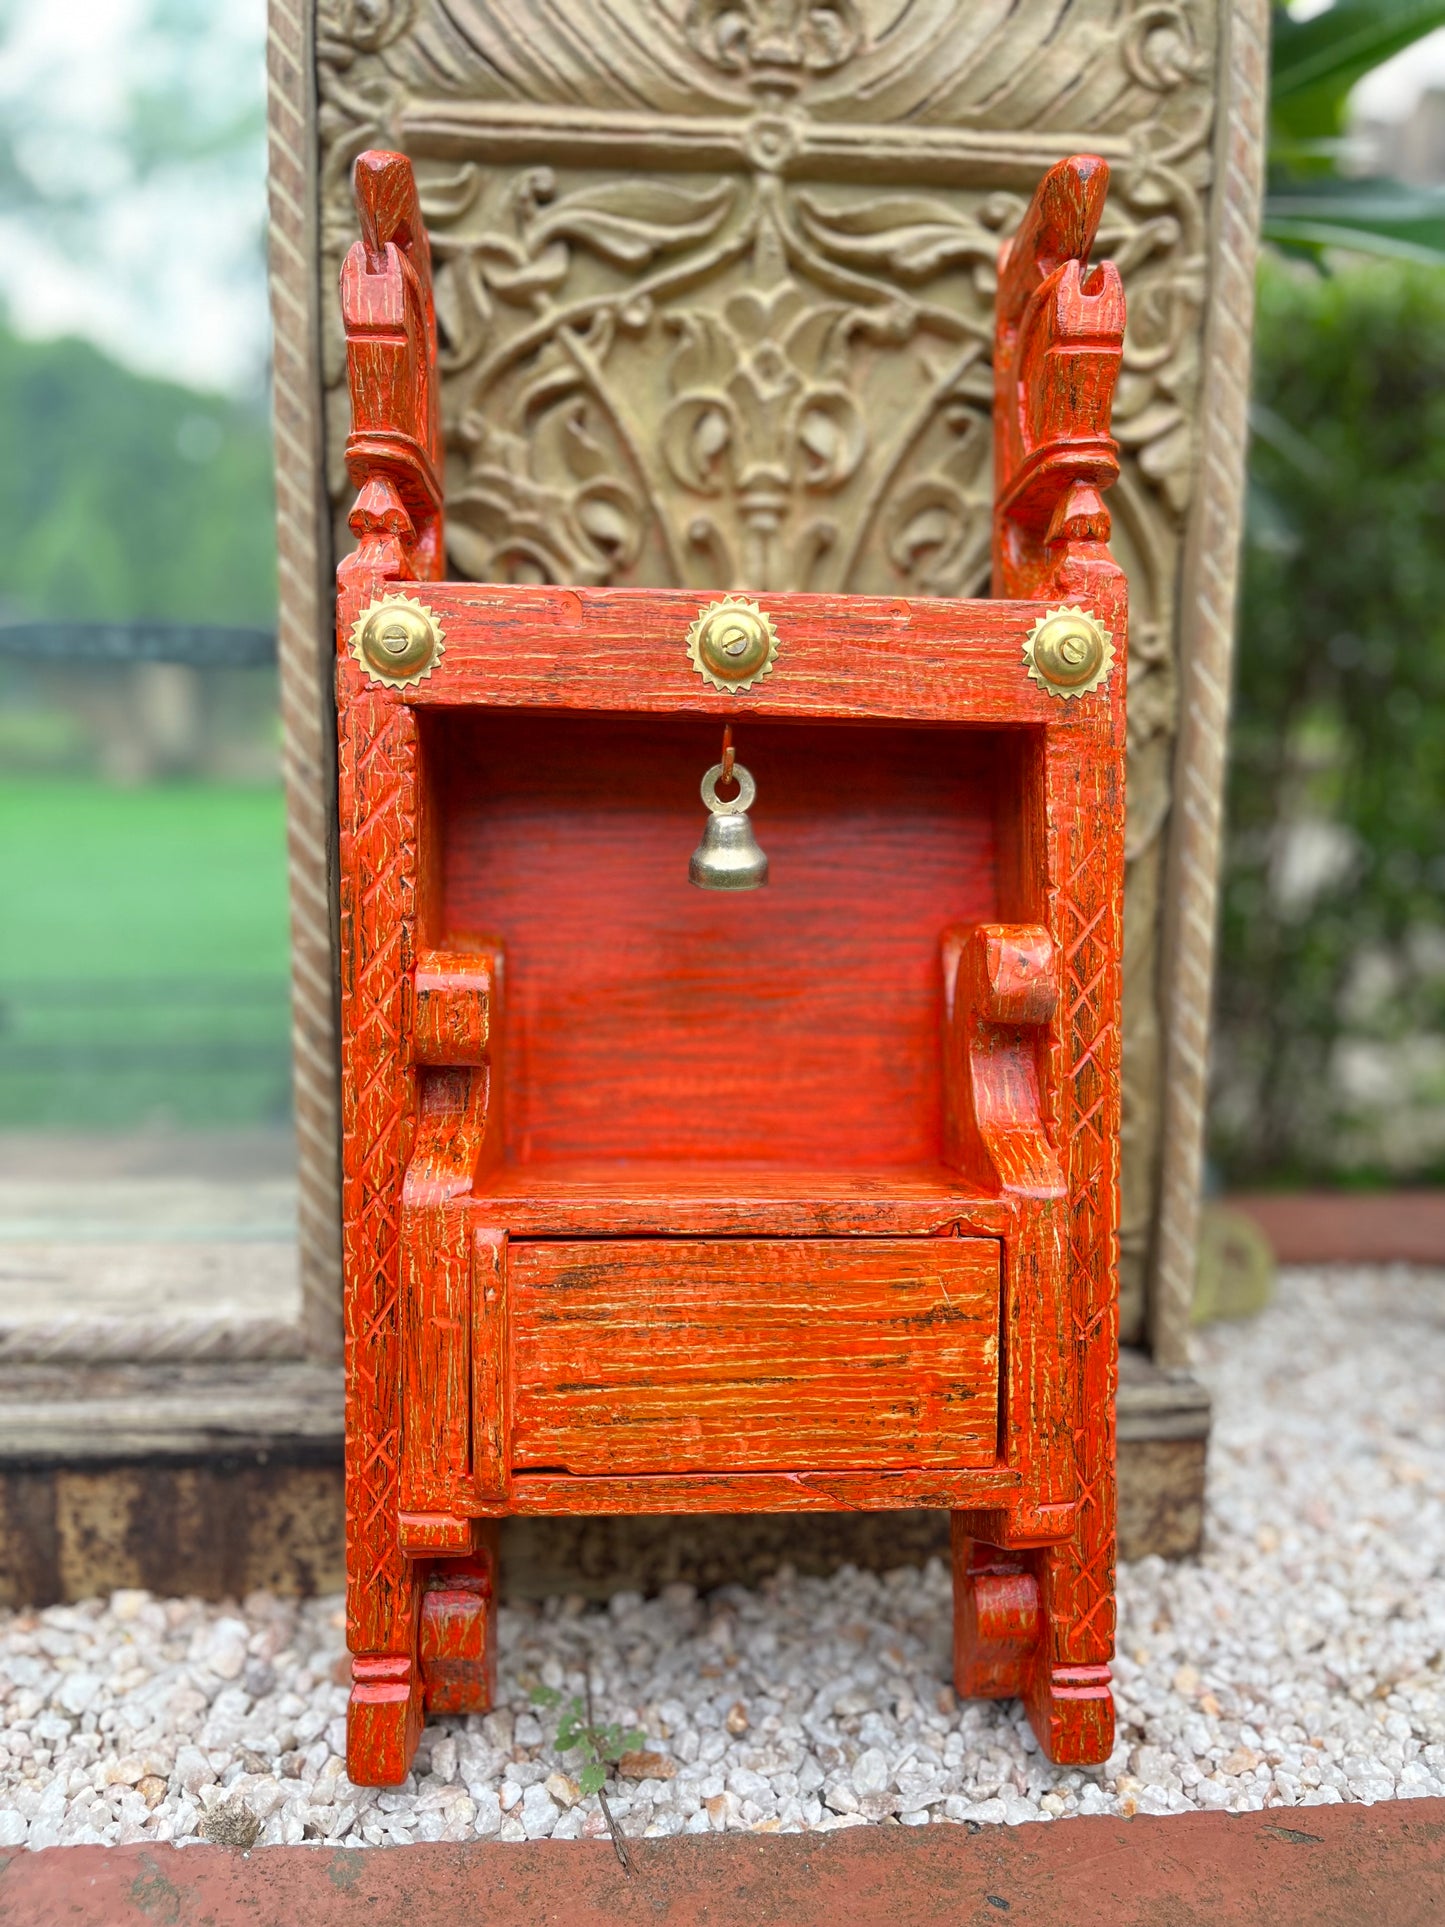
(770, 371)
(716, 382)
(745, 35)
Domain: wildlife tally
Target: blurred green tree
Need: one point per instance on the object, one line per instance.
(143, 955)
(125, 496)
(1331, 1019)
(132, 181)
(1330, 983)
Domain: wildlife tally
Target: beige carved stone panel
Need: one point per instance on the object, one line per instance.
(715, 284)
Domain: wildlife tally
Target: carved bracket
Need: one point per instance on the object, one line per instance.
(457, 1637)
(1001, 989)
(455, 1015)
(455, 1000)
(999, 1626)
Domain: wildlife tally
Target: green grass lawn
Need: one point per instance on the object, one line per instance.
(143, 955)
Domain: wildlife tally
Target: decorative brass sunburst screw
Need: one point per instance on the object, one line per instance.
(1068, 652)
(733, 644)
(397, 640)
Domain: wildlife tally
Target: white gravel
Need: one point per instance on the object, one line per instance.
(1301, 1661)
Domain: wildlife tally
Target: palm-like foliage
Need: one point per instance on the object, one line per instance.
(1309, 204)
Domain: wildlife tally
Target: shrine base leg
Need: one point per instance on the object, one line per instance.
(383, 1718)
(1012, 1640)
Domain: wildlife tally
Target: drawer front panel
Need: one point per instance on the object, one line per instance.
(749, 1355)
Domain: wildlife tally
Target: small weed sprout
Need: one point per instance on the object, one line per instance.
(601, 1744)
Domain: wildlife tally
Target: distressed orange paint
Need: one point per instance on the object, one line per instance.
(659, 1200)
(755, 1355)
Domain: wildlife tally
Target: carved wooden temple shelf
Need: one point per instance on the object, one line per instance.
(675, 1200)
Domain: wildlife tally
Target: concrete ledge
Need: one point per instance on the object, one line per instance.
(68, 1414)
(1309, 1867)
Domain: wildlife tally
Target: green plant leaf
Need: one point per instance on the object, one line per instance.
(592, 1778)
(544, 1696)
(1314, 63)
(572, 1729)
(1340, 684)
(611, 1741)
(1312, 236)
(1370, 217)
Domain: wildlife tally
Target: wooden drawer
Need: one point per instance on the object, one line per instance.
(748, 1355)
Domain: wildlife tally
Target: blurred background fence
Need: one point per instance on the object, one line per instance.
(144, 973)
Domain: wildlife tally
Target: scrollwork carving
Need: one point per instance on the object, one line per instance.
(774, 38)
(370, 25)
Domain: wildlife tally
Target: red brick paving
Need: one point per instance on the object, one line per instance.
(1349, 1227)
(1343, 1866)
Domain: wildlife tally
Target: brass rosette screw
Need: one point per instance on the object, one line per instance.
(733, 644)
(397, 640)
(1068, 652)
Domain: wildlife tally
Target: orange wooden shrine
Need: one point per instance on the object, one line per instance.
(660, 1199)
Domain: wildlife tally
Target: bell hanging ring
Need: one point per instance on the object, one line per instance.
(728, 858)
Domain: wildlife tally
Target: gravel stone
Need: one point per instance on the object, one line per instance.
(223, 1647)
(232, 1824)
(870, 1771)
(539, 1813)
(1295, 1664)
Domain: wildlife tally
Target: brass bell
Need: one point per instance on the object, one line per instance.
(728, 858)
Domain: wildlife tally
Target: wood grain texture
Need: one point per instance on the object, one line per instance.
(754, 1356)
(1059, 340)
(394, 451)
(913, 1031)
(795, 1026)
(453, 1015)
(378, 804)
(666, 1198)
(682, 1493)
(931, 660)
(457, 1633)
(455, 1001)
(384, 1716)
(999, 1624)
(391, 350)
(420, 1533)
(1001, 988)
(435, 1314)
(490, 1392)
